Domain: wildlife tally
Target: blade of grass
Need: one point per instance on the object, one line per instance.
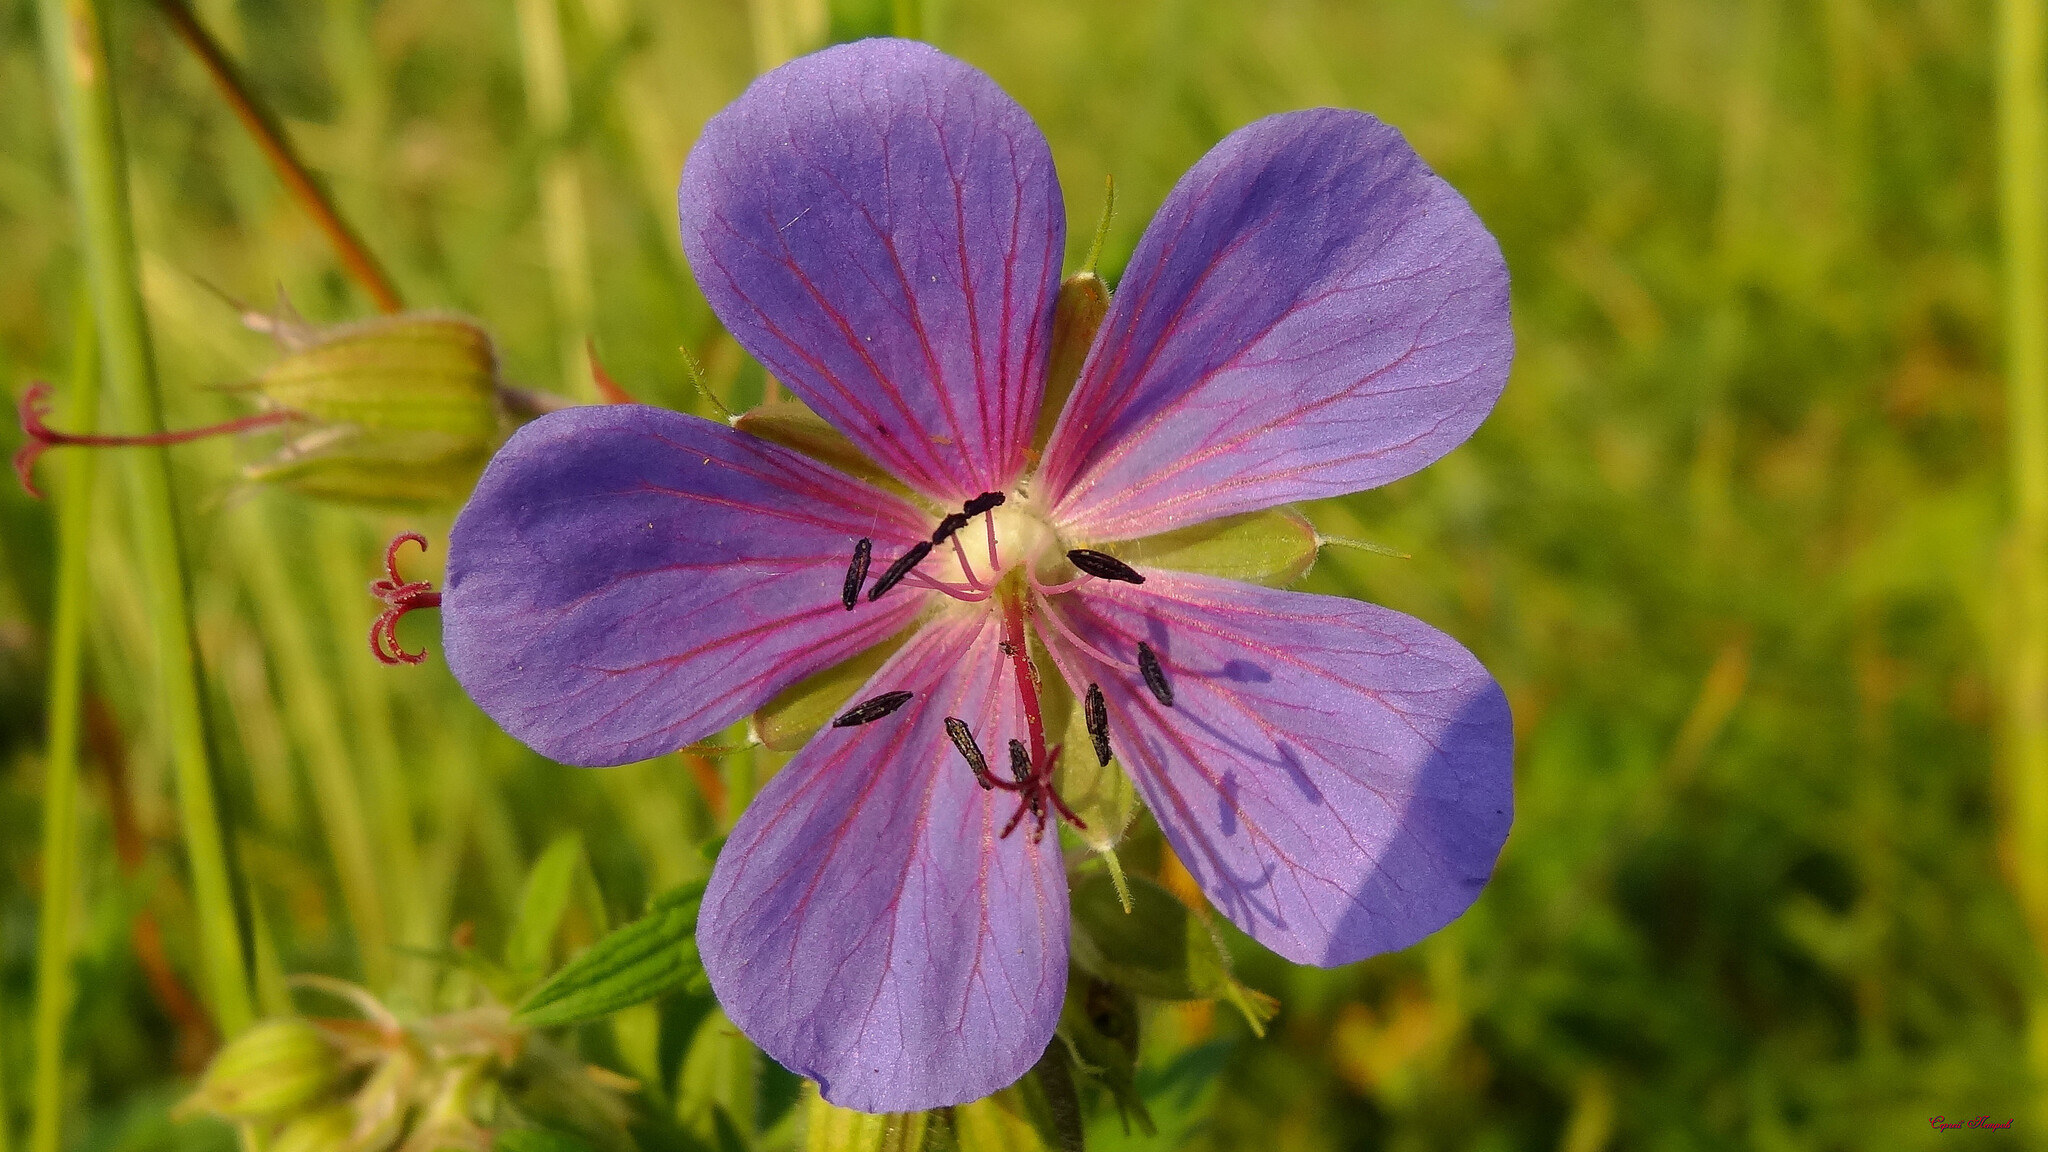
(356, 257)
(60, 772)
(2022, 200)
(563, 227)
(314, 715)
(75, 49)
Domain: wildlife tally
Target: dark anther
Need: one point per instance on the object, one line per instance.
(963, 739)
(953, 522)
(1032, 790)
(399, 596)
(1104, 565)
(983, 503)
(856, 572)
(901, 568)
(1020, 762)
(1098, 724)
(1155, 676)
(872, 709)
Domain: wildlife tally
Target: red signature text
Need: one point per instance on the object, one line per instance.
(1943, 1123)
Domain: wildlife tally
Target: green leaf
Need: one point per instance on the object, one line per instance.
(542, 904)
(787, 722)
(1274, 548)
(1159, 948)
(653, 955)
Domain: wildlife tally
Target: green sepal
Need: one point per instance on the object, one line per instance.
(793, 425)
(830, 1128)
(1099, 1022)
(1160, 948)
(1100, 794)
(1083, 302)
(403, 411)
(1275, 548)
(787, 722)
(632, 965)
(1040, 1113)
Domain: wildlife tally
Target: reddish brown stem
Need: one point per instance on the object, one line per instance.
(270, 137)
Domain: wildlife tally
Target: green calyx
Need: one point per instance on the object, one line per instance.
(275, 1070)
(396, 411)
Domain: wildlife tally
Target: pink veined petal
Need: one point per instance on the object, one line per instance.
(626, 580)
(881, 226)
(864, 924)
(1337, 776)
(1313, 312)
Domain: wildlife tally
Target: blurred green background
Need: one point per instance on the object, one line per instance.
(1730, 541)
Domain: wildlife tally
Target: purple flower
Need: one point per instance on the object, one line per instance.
(1312, 313)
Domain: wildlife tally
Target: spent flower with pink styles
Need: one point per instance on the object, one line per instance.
(1312, 313)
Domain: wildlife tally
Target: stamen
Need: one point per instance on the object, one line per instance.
(856, 572)
(983, 503)
(35, 404)
(872, 709)
(901, 568)
(1074, 638)
(1104, 565)
(400, 596)
(963, 739)
(966, 565)
(953, 522)
(1097, 711)
(966, 592)
(1045, 589)
(1020, 762)
(1155, 676)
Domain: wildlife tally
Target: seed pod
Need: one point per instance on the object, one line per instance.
(330, 1129)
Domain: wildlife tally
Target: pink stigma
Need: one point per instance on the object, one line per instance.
(400, 597)
(35, 404)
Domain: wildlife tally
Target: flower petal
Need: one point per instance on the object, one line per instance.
(626, 580)
(866, 927)
(1313, 312)
(880, 225)
(1337, 776)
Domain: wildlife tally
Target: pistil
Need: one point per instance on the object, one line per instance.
(35, 404)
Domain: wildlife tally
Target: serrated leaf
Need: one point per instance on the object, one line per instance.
(1274, 548)
(542, 904)
(640, 961)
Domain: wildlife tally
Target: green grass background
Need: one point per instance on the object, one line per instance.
(1730, 541)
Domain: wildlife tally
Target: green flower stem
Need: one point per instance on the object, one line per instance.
(77, 59)
(2021, 203)
(60, 773)
(906, 19)
(314, 715)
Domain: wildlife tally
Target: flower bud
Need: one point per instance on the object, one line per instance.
(328, 1130)
(276, 1069)
(401, 410)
